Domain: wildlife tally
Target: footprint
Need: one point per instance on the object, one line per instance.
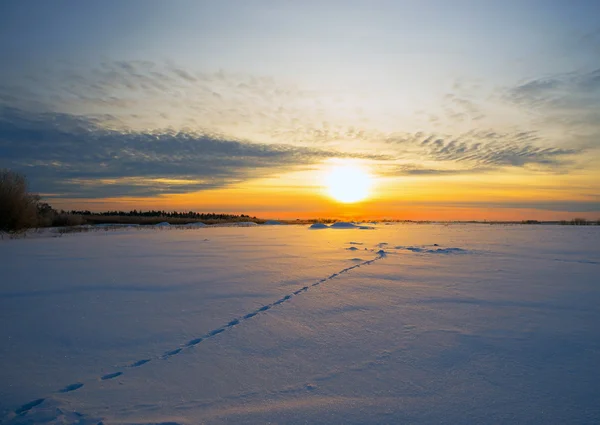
(233, 323)
(71, 387)
(111, 376)
(249, 315)
(172, 353)
(194, 342)
(28, 406)
(139, 363)
(216, 332)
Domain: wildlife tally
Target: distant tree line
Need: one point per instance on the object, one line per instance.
(579, 222)
(167, 214)
(21, 210)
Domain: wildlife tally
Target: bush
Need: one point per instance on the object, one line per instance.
(64, 219)
(18, 207)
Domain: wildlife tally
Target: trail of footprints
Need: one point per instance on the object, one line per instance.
(22, 410)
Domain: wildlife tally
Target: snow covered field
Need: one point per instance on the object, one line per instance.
(419, 324)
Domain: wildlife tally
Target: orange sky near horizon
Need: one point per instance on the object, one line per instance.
(416, 200)
(361, 211)
(506, 195)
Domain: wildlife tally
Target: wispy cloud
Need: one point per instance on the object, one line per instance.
(484, 149)
(586, 206)
(393, 170)
(143, 95)
(460, 108)
(74, 156)
(570, 101)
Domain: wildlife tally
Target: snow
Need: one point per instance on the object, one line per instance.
(112, 225)
(196, 224)
(273, 223)
(343, 225)
(433, 249)
(237, 224)
(282, 325)
(162, 224)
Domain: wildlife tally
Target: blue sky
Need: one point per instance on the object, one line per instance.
(425, 89)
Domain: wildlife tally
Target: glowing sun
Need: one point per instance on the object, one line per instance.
(348, 183)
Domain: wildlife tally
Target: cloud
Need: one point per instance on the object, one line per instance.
(141, 95)
(460, 108)
(562, 206)
(76, 157)
(476, 150)
(392, 170)
(536, 88)
(570, 101)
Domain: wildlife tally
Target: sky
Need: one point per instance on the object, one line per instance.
(458, 110)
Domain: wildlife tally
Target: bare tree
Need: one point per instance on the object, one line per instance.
(18, 207)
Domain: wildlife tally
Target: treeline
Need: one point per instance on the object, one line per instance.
(21, 210)
(573, 222)
(166, 214)
(579, 222)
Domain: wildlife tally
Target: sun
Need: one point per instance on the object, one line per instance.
(348, 183)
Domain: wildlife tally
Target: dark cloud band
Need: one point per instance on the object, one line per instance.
(73, 156)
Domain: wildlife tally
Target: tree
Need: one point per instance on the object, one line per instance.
(18, 207)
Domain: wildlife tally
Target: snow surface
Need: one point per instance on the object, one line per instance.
(419, 324)
(238, 224)
(343, 225)
(196, 224)
(110, 225)
(319, 226)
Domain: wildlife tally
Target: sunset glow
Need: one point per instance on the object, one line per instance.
(348, 183)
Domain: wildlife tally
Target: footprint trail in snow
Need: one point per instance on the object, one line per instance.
(23, 409)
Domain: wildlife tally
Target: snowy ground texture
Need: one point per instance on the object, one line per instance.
(417, 324)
